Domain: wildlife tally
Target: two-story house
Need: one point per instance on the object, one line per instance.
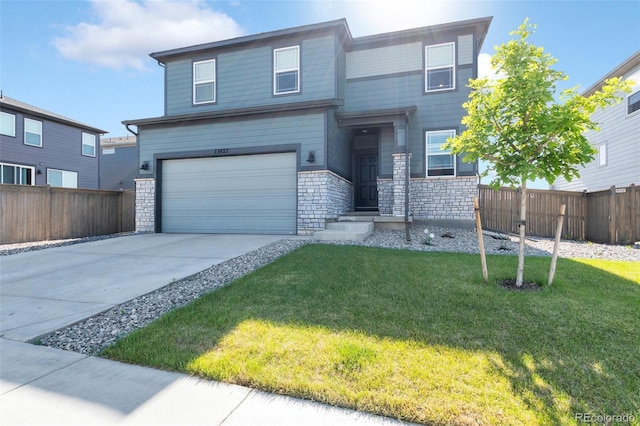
(617, 161)
(279, 132)
(39, 147)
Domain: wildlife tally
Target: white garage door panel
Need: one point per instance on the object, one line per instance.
(243, 194)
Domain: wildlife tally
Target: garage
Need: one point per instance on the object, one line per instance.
(245, 194)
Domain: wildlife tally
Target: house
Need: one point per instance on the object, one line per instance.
(280, 132)
(617, 161)
(38, 147)
(118, 163)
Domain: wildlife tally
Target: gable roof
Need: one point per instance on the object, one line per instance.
(17, 105)
(478, 26)
(626, 66)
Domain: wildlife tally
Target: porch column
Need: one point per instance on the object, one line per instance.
(401, 161)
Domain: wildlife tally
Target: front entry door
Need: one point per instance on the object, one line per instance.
(366, 193)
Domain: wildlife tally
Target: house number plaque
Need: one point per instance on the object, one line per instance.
(221, 151)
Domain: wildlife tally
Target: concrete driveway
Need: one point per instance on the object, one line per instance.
(42, 291)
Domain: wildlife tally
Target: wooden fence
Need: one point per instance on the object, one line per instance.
(39, 213)
(611, 216)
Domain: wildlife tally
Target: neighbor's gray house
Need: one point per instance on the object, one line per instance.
(118, 163)
(617, 161)
(39, 147)
(280, 132)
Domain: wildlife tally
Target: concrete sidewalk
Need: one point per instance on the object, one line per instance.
(44, 290)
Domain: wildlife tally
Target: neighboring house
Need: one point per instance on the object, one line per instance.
(280, 131)
(617, 161)
(38, 147)
(118, 163)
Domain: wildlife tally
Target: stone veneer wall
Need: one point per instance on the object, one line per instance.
(145, 204)
(443, 198)
(322, 195)
(385, 196)
(400, 164)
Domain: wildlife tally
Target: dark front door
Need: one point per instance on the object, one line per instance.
(366, 193)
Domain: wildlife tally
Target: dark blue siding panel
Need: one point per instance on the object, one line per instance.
(118, 170)
(244, 78)
(61, 149)
(338, 148)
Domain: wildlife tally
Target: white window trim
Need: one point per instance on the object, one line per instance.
(13, 124)
(211, 80)
(426, 148)
(626, 104)
(603, 153)
(427, 68)
(297, 69)
(25, 131)
(68, 172)
(31, 169)
(91, 144)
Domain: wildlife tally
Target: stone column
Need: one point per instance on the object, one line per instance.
(145, 204)
(400, 163)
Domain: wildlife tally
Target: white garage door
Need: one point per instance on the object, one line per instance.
(248, 194)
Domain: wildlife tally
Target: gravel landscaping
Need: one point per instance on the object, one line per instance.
(95, 333)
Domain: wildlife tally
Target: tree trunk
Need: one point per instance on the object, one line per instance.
(523, 215)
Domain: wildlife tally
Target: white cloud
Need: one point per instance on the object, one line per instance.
(127, 31)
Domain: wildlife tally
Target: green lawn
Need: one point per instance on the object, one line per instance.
(416, 336)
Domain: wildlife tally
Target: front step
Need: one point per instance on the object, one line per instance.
(345, 231)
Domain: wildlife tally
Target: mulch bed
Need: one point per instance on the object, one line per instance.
(510, 284)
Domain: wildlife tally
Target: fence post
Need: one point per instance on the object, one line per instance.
(613, 215)
(47, 214)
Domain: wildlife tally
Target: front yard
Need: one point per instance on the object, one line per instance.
(416, 336)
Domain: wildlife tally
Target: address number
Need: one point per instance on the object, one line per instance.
(221, 151)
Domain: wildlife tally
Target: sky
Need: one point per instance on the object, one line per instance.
(89, 59)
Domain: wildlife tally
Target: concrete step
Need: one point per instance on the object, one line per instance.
(345, 231)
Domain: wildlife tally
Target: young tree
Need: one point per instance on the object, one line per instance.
(515, 123)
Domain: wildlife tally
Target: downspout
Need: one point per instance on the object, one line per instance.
(129, 129)
(406, 178)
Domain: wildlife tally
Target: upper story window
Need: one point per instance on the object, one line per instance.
(440, 67)
(439, 162)
(32, 132)
(286, 70)
(15, 174)
(7, 124)
(88, 144)
(204, 82)
(633, 102)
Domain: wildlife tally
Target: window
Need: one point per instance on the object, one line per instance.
(286, 70)
(439, 161)
(633, 103)
(204, 82)
(602, 154)
(62, 178)
(440, 67)
(32, 132)
(15, 174)
(88, 144)
(7, 124)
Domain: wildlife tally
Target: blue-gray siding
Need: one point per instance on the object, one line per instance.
(118, 170)
(338, 148)
(442, 110)
(306, 130)
(61, 150)
(244, 78)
